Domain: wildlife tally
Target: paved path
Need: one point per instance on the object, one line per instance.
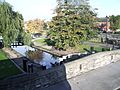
(105, 78)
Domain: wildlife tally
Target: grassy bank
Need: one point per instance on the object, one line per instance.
(96, 48)
(41, 41)
(79, 48)
(7, 68)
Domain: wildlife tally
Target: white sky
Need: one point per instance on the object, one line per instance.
(31, 9)
(43, 9)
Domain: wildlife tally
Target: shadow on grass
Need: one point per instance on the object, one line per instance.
(7, 69)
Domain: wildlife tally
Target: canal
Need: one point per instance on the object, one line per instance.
(46, 60)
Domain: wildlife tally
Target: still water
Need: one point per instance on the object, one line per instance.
(45, 61)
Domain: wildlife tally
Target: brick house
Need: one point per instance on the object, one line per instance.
(104, 25)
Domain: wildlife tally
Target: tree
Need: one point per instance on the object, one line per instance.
(35, 26)
(114, 22)
(27, 38)
(11, 23)
(70, 25)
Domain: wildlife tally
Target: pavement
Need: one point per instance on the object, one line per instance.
(104, 78)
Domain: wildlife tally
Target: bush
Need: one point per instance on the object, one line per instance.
(50, 42)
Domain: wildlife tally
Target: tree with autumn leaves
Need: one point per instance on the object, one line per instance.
(34, 26)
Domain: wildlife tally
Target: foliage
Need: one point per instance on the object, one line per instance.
(11, 23)
(45, 26)
(35, 26)
(92, 34)
(70, 25)
(115, 22)
(27, 38)
(117, 32)
(102, 19)
(50, 42)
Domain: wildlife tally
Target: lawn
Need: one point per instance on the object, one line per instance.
(85, 46)
(7, 68)
(40, 41)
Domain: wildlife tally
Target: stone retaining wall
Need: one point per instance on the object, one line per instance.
(34, 81)
(91, 62)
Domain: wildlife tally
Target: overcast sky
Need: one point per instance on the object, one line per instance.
(43, 9)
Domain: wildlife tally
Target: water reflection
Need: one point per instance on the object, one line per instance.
(42, 58)
(35, 55)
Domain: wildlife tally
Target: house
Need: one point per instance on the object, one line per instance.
(103, 24)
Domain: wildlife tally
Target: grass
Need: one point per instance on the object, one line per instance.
(81, 47)
(2, 55)
(7, 68)
(96, 48)
(40, 41)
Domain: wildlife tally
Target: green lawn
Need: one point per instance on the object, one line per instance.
(40, 41)
(7, 68)
(96, 48)
(81, 48)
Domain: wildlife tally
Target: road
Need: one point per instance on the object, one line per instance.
(104, 78)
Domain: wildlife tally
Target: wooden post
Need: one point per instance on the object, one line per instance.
(30, 68)
(25, 65)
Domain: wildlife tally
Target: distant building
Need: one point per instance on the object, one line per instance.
(104, 25)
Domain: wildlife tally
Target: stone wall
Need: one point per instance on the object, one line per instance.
(34, 81)
(59, 73)
(91, 62)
